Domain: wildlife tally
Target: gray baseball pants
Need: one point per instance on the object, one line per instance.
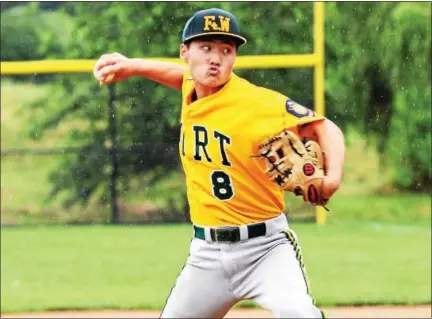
(267, 269)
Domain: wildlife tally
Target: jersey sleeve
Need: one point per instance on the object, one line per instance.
(296, 115)
(278, 112)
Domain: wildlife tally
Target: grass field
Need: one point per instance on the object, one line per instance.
(127, 267)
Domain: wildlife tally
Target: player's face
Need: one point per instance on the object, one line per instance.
(210, 61)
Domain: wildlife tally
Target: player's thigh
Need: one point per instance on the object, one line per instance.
(201, 290)
(283, 286)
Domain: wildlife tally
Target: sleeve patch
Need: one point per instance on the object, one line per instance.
(298, 110)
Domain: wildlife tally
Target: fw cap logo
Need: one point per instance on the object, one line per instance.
(211, 25)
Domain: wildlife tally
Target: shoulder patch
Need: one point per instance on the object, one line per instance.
(298, 110)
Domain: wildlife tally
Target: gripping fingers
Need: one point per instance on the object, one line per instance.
(107, 74)
(100, 64)
(108, 79)
(106, 60)
(109, 59)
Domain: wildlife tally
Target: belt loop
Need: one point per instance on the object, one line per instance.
(207, 234)
(244, 233)
(277, 224)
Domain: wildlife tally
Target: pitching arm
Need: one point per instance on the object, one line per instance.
(116, 67)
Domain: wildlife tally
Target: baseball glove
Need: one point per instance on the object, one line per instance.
(295, 165)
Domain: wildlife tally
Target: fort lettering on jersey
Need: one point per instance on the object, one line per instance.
(202, 138)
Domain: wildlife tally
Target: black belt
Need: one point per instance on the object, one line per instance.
(231, 233)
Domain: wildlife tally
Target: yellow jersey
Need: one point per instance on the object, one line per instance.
(219, 133)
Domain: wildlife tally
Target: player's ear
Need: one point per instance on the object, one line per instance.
(184, 52)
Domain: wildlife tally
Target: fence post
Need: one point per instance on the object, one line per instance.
(112, 126)
(319, 90)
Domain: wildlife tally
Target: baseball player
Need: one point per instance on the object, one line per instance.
(240, 149)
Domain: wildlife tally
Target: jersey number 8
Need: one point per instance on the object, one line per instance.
(222, 186)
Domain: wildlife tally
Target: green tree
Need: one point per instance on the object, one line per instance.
(29, 33)
(379, 74)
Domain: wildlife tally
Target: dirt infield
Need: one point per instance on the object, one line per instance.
(423, 311)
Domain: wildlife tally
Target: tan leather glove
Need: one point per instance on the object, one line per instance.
(294, 165)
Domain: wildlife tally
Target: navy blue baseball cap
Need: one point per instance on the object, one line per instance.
(212, 22)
